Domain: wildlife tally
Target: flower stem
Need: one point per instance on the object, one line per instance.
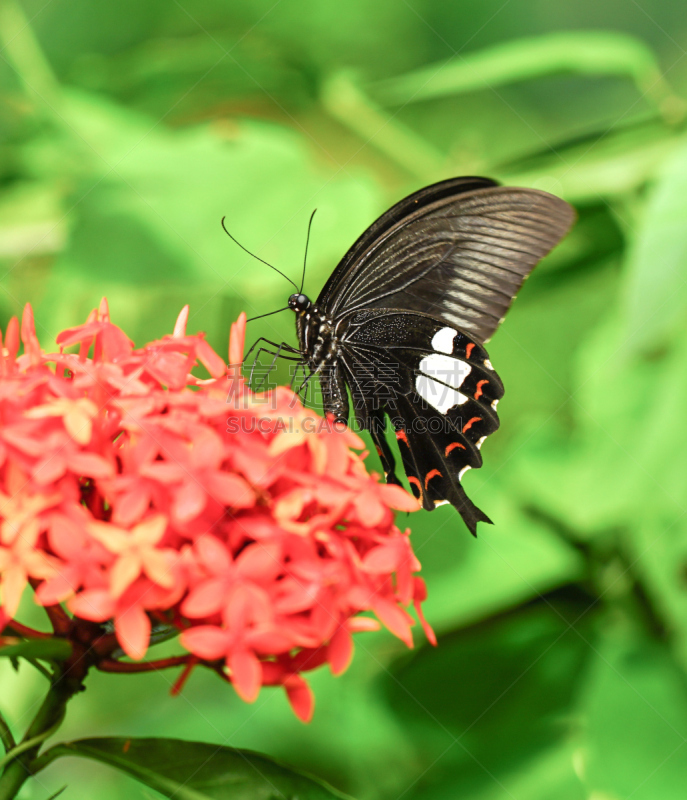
(17, 761)
(6, 735)
(16, 628)
(111, 665)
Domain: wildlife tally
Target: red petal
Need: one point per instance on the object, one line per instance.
(132, 627)
(236, 339)
(130, 507)
(340, 651)
(420, 597)
(49, 469)
(382, 560)
(246, 675)
(210, 360)
(370, 510)
(205, 641)
(395, 619)
(397, 497)
(93, 604)
(115, 343)
(205, 600)
(189, 501)
(89, 465)
(300, 697)
(260, 561)
(230, 490)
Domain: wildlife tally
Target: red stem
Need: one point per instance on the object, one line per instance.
(111, 665)
(185, 674)
(23, 630)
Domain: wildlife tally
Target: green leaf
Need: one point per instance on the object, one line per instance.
(582, 52)
(491, 710)
(199, 771)
(611, 166)
(146, 210)
(57, 793)
(47, 649)
(635, 707)
(656, 302)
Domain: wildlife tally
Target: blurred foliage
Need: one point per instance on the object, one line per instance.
(128, 130)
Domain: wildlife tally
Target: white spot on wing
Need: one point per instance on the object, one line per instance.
(479, 442)
(462, 472)
(487, 364)
(442, 341)
(437, 395)
(441, 502)
(494, 403)
(446, 369)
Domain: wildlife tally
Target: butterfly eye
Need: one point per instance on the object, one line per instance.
(299, 302)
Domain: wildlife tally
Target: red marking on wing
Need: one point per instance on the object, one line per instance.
(468, 349)
(401, 436)
(431, 474)
(470, 423)
(416, 482)
(453, 446)
(379, 451)
(126, 746)
(478, 393)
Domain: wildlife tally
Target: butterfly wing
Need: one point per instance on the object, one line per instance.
(458, 250)
(439, 389)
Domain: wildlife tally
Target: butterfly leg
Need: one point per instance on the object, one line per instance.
(287, 348)
(277, 354)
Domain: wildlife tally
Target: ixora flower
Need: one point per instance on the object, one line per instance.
(133, 493)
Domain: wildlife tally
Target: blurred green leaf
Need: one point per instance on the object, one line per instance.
(148, 205)
(47, 649)
(196, 770)
(635, 710)
(656, 302)
(57, 793)
(619, 473)
(591, 172)
(347, 103)
(492, 710)
(584, 52)
(509, 563)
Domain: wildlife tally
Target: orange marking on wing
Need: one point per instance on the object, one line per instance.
(478, 393)
(416, 482)
(401, 436)
(468, 349)
(470, 423)
(126, 746)
(379, 451)
(431, 474)
(453, 446)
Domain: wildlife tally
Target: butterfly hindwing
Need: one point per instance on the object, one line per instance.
(440, 391)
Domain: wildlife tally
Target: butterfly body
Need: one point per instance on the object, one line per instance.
(401, 325)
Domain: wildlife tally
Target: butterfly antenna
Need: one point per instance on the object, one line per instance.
(305, 257)
(246, 250)
(269, 313)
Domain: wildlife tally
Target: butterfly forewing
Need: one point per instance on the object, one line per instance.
(461, 258)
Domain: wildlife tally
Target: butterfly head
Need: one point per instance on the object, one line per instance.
(299, 303)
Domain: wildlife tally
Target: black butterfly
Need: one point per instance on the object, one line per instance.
(402, 320)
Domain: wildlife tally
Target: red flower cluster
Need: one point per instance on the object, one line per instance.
(131, 490)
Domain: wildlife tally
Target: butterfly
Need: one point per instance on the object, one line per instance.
(402, 321)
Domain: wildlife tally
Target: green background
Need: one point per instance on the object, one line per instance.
(127, 130)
